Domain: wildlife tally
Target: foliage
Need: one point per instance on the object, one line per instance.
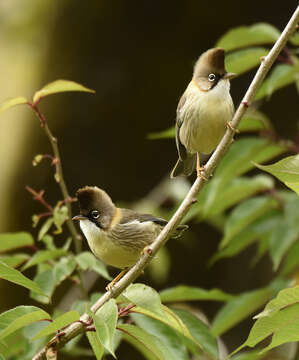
(246, 208)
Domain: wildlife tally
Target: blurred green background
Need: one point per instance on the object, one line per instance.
(138, 56)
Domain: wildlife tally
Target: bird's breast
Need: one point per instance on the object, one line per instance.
(204, 115)
(120, 246)
(105, 248)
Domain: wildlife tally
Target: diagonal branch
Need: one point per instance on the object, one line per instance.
(78, 327)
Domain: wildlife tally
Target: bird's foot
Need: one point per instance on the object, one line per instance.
(200, 171)
(230, 126)
(110, 286)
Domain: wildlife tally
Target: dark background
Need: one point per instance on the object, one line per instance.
(138, 56)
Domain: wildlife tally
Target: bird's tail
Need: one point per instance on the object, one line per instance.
(184, 167)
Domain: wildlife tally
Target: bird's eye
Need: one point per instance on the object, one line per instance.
(212, 77)
(95, 214)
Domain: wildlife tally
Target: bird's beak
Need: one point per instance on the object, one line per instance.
(79, 217)
(229, 76)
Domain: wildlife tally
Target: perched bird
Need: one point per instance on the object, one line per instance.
(116, 236)
(204, 112)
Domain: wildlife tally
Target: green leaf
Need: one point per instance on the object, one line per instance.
(200, 332)
(283, 325)
(249, 355)
(286, 231)
(165, 134)
(59, 86)
(149, 345)
(59, 323)
(159, 269)
(286, 170)
(60, 215)
(42, 256)
(294, 39)
(13, 345)
(291, 261)
(238, 309)
(87, 261)
(45, 280)
(189, 293)
(11, 241)
(169, 318)
(239, 189)
(260, 33)
(241, 61)
(285, 297)
(258, 230)
(245, 214)
(254, 120)
(14, 260)
(48, 240)
(166, 334)
(12, 102)
(281, 76)
(15, 276)
(19, 317)
(281, 240)
(45, 228)
(144, 297)
(95, 344)
(105, 321)
(243, 153)
(63, 269)
(238, 160)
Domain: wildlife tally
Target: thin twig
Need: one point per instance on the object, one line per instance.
(60, 179)
(40, 197)
(76, 328)
(54, 143)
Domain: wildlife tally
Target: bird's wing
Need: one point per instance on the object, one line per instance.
(130, 215)
(179, 122)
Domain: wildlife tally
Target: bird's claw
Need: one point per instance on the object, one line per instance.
(110, 286)
(200, 171)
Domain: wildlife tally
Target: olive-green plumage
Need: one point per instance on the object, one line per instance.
(116, 236)
(203, 111)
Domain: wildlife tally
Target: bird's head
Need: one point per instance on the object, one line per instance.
(209, 69)
(95, 206)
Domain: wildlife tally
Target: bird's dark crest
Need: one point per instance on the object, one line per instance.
(91, 198)
(211, 61)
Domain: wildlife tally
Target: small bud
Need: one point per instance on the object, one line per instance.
(37, 159)
(57, 177)
(35, 220)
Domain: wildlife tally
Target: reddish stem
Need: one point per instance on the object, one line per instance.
(125, 311)
(39, 197)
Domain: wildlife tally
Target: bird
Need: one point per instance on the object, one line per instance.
(204, 112)
(116, 236)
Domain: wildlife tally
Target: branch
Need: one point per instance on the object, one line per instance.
(78, 327)
(59, 178)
